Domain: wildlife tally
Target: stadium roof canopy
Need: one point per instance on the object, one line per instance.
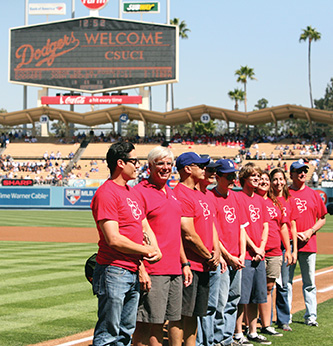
(175, 117)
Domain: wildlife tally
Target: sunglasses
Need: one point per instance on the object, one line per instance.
(134, 161)
(211, 170)
(200, 165)
(228, 176)
(301, 170)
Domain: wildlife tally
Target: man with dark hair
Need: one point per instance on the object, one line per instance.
(121, 226)
(311, 218)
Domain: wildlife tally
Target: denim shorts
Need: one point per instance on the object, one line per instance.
(254, 284)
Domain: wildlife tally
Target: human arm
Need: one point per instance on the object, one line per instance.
(193, 239)
(214, 261)
(119, 242)
(306, 235)
(286, 243)
(152, 240)
(293, 231)
(144, 278)
(186, 267)
(258, 251)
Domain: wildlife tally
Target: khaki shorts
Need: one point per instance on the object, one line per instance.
(164, 300)
(273, 266)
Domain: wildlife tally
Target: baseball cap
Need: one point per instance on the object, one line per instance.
(187, 159)
(225, 166)
(211, 163)
(297, 165)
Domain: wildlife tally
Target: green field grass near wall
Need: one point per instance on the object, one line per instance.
(72, 218)
(43, 291)
(47, 218)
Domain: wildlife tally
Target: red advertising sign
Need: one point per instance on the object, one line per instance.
(94, 4)
(90, 100)
(17, 182)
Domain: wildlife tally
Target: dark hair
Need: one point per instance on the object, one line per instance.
(285, 193)
(118, 151)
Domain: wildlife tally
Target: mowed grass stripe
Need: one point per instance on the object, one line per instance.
(47, 218)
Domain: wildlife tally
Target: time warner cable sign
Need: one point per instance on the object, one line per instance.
(94, 54)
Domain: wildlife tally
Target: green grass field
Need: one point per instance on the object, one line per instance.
(44, 294)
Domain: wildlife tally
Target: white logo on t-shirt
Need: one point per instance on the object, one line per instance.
(301, 205)
(205, 209)
(229, 214)
(136, 212)
(272, 212)
(254, 213)
(284, 211)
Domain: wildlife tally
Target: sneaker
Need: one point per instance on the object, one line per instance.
(270, 331)
(260, 339)
(243, 341)
(312, 323)
(285, 327)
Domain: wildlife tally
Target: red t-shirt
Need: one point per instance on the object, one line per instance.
(196, 205)
(256, 215)
(289, 210)
(118, 203)
(276, 219)
(163, 212)
(229, 220)
(311, 208)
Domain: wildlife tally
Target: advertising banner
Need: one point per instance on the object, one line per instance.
(31, 197)
(94, 54)
(135, 7)
(90, 100)
(78, 197)
(47, 9)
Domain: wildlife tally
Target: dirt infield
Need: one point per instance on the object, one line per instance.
(324, 278)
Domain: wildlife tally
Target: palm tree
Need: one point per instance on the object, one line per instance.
(245, 73)
(310, 34)
(183, 30)
(236, 95)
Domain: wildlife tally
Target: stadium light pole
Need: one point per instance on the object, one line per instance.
(167, 101)
(25, 88)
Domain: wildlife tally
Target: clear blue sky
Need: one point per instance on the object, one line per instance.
(224, 35)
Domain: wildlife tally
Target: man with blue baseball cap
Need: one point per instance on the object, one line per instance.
(312, 211)
(230, 218)
(197, 224)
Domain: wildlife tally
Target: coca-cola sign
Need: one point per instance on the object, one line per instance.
(94, 4)
(94, 54)
(91, 100)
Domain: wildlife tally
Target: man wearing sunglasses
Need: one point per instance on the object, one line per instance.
(197, 234)
(121, 225)
(311, 218)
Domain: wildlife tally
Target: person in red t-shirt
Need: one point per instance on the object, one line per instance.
(197, 233)
(278, 231)
(121, 225)
(288, 204)
(254, 289)
(161, 282)
(311, 218)
(230, 218)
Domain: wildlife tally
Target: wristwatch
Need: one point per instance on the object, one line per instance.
(186, 264)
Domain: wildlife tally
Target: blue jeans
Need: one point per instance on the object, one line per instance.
(205, 334)
(307, 263)
(226, 312)
(282, 299)
(117, 290)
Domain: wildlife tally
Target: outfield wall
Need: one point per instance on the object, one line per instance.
(55, 197)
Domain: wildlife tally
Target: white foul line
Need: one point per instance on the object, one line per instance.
(326, 289)
(75, 342)
(317, 274)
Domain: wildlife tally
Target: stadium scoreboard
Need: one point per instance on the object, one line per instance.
(94, 54)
